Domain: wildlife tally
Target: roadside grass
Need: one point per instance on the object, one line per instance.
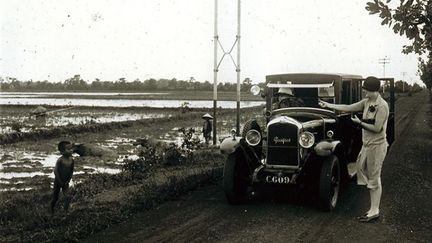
(103, 200)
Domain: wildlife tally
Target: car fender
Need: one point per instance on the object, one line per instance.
(326, 148)
(230, 144)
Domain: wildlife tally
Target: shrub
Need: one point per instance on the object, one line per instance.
(185, 107)
(17, 126)
(173, 155)
(190, 142)
(155, 154)
(136, 167)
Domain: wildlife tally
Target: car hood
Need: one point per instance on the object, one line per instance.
(303, 117)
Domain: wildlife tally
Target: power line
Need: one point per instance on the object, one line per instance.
(384, 61)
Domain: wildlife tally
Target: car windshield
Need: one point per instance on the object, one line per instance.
(301, 97)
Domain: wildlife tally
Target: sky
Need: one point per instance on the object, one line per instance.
(142, 39)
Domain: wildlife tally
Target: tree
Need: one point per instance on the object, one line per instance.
(425, 69)
(75, 83)
(150, 84)
(414, 20)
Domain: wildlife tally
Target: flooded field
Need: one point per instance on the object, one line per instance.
(19, 116)
(25, 169)
(28, 165)
(28, 168)
(159, 100)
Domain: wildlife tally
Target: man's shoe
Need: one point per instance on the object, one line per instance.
(367, 219)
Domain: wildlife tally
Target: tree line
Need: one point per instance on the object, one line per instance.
(76, 83)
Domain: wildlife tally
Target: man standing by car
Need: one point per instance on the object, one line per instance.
(374, 125)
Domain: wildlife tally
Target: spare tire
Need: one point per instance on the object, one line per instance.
(250, 124)
(253, 124)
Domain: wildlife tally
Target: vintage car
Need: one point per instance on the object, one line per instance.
(306, 146)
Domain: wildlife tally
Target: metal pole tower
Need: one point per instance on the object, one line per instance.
(238, 67)
(384, 61)
(217, 64)
(215, 71)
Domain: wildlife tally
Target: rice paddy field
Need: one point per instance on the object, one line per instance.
(110, 120)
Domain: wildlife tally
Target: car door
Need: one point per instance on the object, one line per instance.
(352, 134)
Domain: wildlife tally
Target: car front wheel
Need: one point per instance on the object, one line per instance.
(329, 184)
(236, 179)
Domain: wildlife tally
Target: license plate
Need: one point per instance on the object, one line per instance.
(277, 179)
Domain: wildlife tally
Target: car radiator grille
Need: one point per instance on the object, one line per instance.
(282, 144)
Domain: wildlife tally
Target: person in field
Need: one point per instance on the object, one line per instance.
(63, 172)
(207, 127)
(374, 125)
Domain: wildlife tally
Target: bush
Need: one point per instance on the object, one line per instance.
(17, 126)
(185, 107)
(190, 142)
(156, 154)
(173, 155)
(137, 167)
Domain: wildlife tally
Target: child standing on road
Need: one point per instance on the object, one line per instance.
(63, 172)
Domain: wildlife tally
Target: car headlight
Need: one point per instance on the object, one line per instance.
(253, 137)
(306, 139)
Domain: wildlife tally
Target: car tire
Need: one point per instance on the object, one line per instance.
(329, 184)
(235, 180)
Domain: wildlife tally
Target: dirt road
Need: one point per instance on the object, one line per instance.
(406, 212)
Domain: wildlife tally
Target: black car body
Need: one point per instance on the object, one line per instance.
(304, 146)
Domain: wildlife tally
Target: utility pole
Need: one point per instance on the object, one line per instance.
(384, 61)
(215, 70)
(238, 67)
(403, 82)
(216, 66)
